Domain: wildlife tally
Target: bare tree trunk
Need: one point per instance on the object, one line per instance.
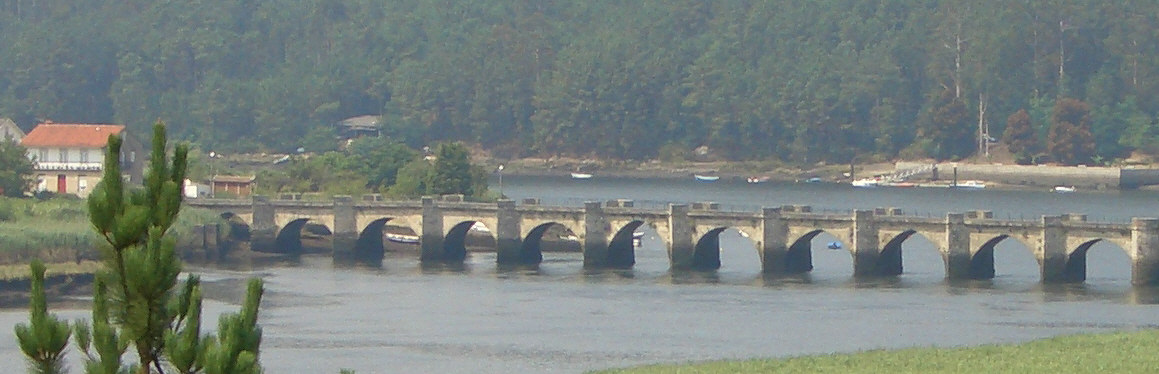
(983, 131)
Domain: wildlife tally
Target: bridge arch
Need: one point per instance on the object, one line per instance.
(891, 260)
(622, 248)
(455, 241)
(1076, 260)
(370, 244)
(982, 261)
(531, 247)
(237, 228)
(706, 254)
(799, 257)
(289, 238)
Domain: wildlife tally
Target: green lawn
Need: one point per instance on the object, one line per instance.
(1125, 352)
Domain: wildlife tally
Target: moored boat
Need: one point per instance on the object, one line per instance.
(866, 182)
(1063, 189)
(581, 176)
(706, 178)
(757, 179)
(402, 238)
(970, 184)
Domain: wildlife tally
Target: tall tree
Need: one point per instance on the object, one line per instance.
(1020, 137)
(949, 129)
(454, 174)
(1070, 141)
(15, 169)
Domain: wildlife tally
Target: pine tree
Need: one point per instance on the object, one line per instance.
(43, 340)
(137, 300)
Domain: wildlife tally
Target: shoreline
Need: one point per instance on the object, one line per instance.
(993, 175)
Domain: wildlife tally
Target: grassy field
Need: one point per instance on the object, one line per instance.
(58, 230)
(1124, 352)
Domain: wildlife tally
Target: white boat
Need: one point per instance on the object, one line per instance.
(758, 179)
(581, 176)
(637, 238)
(971, 184)
(866, 182)
(1063, 189)
(402, 238)
(706, 178)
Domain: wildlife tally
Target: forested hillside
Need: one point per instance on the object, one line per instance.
(803, 81)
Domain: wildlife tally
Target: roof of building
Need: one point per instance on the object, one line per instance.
(71, 135)
(360, 123)
(233, 178)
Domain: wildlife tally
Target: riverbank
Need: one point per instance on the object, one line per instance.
(61, 281)
(564, 166)
(991, 174)
(1124, 352)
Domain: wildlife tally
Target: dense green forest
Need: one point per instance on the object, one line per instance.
(801, 81)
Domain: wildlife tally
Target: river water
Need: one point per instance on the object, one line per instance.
(402, 317)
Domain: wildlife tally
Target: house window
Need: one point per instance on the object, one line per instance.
(43, 155)
(63, 155)
(84, 156)
(82, 184)
(132, 156)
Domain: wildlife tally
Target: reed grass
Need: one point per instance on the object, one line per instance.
(1122, 352)
(58, 230)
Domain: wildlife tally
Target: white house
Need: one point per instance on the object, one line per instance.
(69, 157)
(9, 130)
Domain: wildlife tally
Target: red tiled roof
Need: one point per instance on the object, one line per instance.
(70, 135)
(233, 178)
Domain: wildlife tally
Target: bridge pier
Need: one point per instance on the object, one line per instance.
(509, 243)
(345, 230)
(1145, 259)
(865, 244)
(957, 247)
(1053, 250)
(773, 245)
(264, 230)
(681, 246)
(596, 229)
(432, 235)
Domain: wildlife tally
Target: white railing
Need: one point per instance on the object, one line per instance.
(86, 166)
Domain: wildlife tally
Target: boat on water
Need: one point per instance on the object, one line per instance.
(757, 179)
(970, 185)
(813, 180)
(581, 176)
(706, 178)
(1063, 189)
(402, 238)
(637, 238)
(866, 182)
(834, 245)
(899, 184)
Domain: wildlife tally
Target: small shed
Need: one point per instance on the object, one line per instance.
(355, 127)
(231, 185)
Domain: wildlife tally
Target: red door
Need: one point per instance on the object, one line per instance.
(61, 184)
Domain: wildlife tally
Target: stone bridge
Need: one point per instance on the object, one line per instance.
(782, 235)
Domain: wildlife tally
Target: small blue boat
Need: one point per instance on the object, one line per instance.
(834, 245)
(706, 178)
